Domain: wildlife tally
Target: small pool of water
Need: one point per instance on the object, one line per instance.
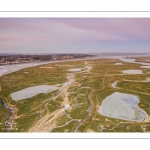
(114, 84)
(66, 106)
(132, 71)
(122, 106)
(145, 66)
(118, 64)
(76, 69)
(32, 91)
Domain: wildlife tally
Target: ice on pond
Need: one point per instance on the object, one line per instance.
(132, 72)
(76, 69)
(32, 91)
(145, 66)
(122, 106)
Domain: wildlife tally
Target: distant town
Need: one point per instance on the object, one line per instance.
(20, 58)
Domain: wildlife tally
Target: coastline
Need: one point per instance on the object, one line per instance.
(6, 69)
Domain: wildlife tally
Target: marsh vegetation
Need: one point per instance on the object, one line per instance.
(74, 105)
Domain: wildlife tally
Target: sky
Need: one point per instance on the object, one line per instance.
(74, 35)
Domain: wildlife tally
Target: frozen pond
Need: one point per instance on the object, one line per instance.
(145, 66)
(32, 91)
(118, 64)
(132, 71)
(122, 106)
(76, 69)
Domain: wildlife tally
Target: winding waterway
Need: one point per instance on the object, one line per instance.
(9, 122)
(64, 88)
(88, 112)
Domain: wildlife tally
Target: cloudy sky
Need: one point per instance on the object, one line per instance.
(74, 35)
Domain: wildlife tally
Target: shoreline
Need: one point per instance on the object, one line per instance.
(6, 69)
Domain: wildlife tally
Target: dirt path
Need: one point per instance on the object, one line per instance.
(65, 86)
(45, 123)
(48, 122)
(65, 97)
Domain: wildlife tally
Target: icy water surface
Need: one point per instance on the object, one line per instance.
(145, 66)
(122, 106)
(118, 64)
(76, 69)
(32, 91)
(132, 72)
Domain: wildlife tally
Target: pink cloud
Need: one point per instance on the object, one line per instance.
(117, 27)
(51, 32)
